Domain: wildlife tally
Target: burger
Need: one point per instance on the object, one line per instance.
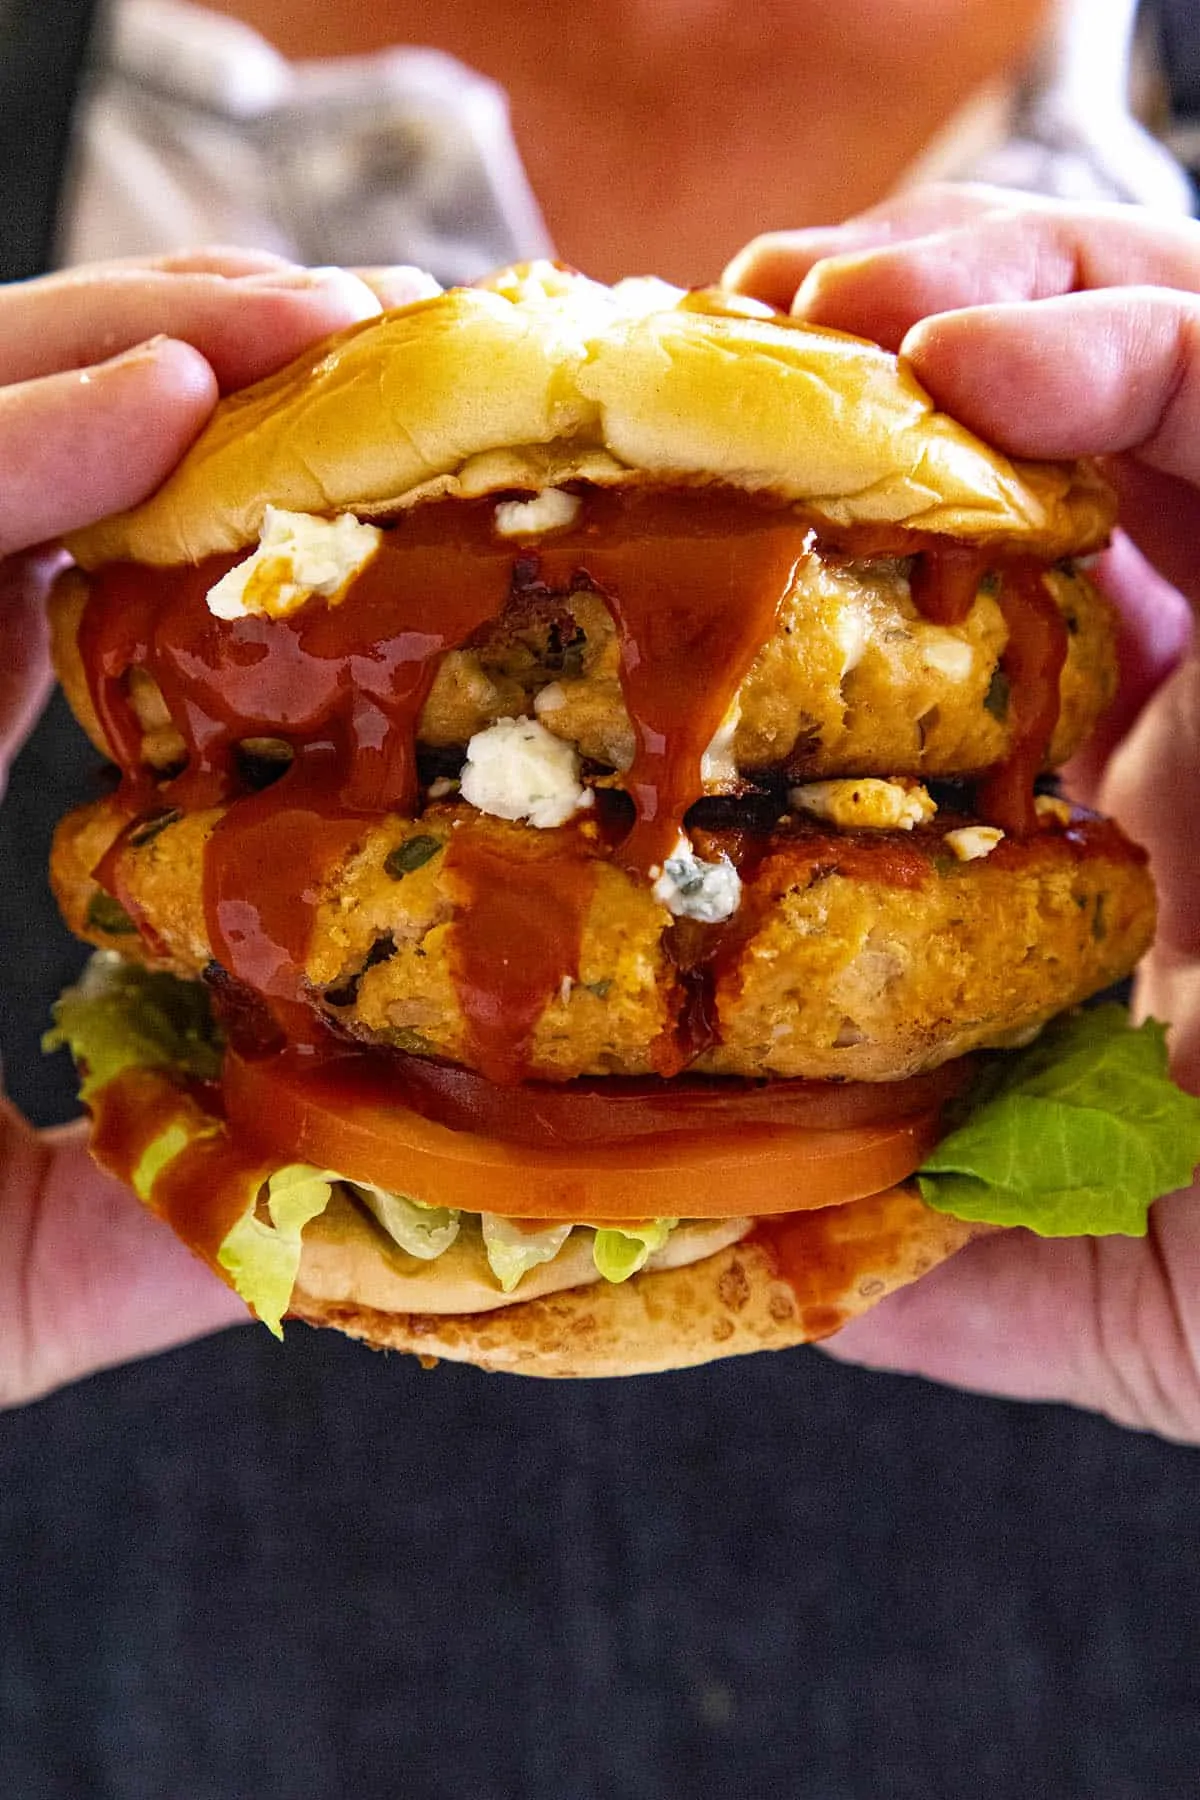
(584, 890)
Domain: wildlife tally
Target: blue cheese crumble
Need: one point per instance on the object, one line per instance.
(691, 889)
(516, 769)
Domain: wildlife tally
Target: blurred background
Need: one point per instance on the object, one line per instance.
(241, 1570)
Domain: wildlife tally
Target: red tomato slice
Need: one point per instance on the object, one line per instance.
(319, 1113)
(615, 1109)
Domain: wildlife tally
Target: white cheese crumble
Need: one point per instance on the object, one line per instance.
(973, 841)
(850, 633)
(691, 889)
(717, 765)
(869, 804)
(1049, 806)
(549, 698)
(298, 556)
(516, 769)
(551, 510)
(947, 654)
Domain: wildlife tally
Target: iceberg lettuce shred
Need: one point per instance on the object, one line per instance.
(619, 1251)
(424, 1231)
(120, 1016)
(512, 1250)
(262, 1256)
(1074, 1136)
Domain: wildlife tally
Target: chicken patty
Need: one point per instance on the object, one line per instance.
(854, 681)
(854, 955)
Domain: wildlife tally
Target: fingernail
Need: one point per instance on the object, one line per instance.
(293, 279)
(333, 285)
(146, 351)
(400, 284)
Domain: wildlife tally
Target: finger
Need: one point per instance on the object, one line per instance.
(89, 1278)
(400, 285)
(213, 259)
(1104, 1323)
(245, 327)
(1153, 632)
(76, 447)
(25, 673)
(1085, 375)
(771, 267)
(1161, 514)
(199, 259)
(1150, 785)
(1023, 253)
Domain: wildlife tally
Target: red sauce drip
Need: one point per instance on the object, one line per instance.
(520, 927)
(263, 871)
(109, 872)
(822, 1261)
(1032, 662)
(694, 587)
(693, 583)
(202, 1192)
(945, 582)
(353, 676)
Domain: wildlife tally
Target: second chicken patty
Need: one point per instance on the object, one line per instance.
(853, 955)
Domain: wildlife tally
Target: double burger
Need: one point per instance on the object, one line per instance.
(585, 890)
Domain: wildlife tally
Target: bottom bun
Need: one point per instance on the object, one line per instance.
(791, 1281)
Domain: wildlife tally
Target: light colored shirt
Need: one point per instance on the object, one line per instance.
(197, 131)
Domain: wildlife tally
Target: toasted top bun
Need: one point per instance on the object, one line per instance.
(842, 1260)
(542, 376)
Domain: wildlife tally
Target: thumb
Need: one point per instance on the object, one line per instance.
(25, 673)
(88, 1277)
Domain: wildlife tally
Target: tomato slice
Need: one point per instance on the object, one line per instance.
(615, 1109)
(312, 1111)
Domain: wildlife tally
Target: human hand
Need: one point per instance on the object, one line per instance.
(1055, 332)
(106, 376)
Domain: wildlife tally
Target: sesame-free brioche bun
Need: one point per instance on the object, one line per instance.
(841, 1260)
(544, 376)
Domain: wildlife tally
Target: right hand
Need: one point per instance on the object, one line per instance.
(107, 374)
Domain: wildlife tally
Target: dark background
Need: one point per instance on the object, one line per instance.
(247, 1572)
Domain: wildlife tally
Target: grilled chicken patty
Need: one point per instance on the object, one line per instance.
(853, 681)
(860, 955)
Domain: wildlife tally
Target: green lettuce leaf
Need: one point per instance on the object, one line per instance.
(423, 1231)
(621, 1250)
(1075, 1136)
(119, 1015)
(262, 1256)
(512, 1251)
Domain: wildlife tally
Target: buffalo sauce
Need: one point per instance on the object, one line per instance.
(1032, 662)
(944, 585)
(693, 582)
(202, 1192)
(945, 582)
(821, 1263)
(520, 945)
